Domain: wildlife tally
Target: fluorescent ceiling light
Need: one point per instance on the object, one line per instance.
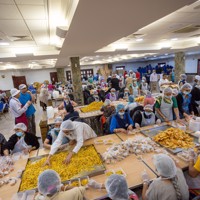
(4, 44)
(139, 40)
(174, 39)
(119, 46)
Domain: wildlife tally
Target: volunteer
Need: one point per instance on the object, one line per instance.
(165, 105)
(154, 81)
(196, 95)
(50, 188)
(53, 134)
(76, 132)
(135, 89)
(146, 117)
(112, 95)
(185, 101)
(66, 101)
(144, 88)
(131, 103)
(121, 121)
(26, 96)
(20, 141)
(124, 95)
(149, 99)
(16, 108)
(170, 185)
(71, 113)
(163, 82)
(182, 80)
(43, 97)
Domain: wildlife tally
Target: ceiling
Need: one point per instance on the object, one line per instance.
(97, 31)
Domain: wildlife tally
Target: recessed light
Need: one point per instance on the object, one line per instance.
(4, 44)
(139, 40)
(174, 39)
(97, 56)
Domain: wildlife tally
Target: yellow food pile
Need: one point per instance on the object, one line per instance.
(174, 138)
(94, 106)
(139, 99)
(85, 160)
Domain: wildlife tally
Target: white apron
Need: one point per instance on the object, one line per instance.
(20, 145)
(166, 110)
(147, 122)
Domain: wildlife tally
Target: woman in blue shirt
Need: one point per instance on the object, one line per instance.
(121, 121)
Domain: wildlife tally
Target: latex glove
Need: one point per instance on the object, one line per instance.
(9, 160)
(158, 121)
(192, 155)
(137, 125)
(145, 177)
(94, 184)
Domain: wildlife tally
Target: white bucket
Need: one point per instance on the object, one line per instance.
(194, 125)
(50, 112)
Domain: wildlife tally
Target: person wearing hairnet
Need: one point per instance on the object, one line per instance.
(182, 80)
(65, 102)
(149, 99)
(121, 121)
(146, 117)
(131, 103)
(144, 87)
(175, 92)
(20, 141)
(165, 105)
(50, 188)
(185, 101)
(196, 95)
(53, 134)
(124, 95)
(116, 187)
(112, 95)
(76, 132)
(171, 183)
(134, 89)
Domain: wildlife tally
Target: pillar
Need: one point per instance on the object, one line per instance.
(179, 65)
(61, 75)
(76, 80)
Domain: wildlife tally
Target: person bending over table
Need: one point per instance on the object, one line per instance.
(149, 99)
(112, 95)
(165, 105)
(65, 102)
(76, 132)
(20, 141)
(124, 95)
(53, 134)
(71, 113)
(171, 183)
(185, 101)
(121, 121)
(146, 117)
(51, 188)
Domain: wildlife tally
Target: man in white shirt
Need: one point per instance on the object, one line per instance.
(16, 108)
(154, 81)
(164, 81)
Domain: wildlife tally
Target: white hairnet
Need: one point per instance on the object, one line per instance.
(107, 102)
(183, 76)
(58, 120)
(21, 126)
(197, 77)
(116, 187)
(95, 92)
(186, 86)
(168, 90)
(67, 125)
(175, 92)
(14, 92)
(48, 182)
(126, 89)
(22, 86)
(113, 89)
(148, 107)
(165, 166)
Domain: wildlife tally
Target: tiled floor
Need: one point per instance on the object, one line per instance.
(7, 122)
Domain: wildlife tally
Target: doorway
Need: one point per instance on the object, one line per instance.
(53, 77)
(17, 80)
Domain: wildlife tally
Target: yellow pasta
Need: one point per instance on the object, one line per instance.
(85, 160)
(94, 106)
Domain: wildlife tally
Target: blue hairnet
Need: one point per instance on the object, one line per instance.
(116, 187)
(119, 107)
(131, 98)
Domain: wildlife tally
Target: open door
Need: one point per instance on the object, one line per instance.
(53, 77)
(17, 80)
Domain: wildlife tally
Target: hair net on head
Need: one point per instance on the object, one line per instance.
(186, 86)
(126, 89)
(148, 107)
(165, 165)
(131, 98)
(126, 75)
(183, 76)
(130, 71)
(116, 187)
(119, 107)
(113, 89)
(144, 78)
(95, 92)
(197, 77)
(58, 120)
(67, 125)
(21, 126)
(22, 86)
(168, 90)
(148, 94)
(175, 92)
(14, 92)
(48, 182)
(107, 102)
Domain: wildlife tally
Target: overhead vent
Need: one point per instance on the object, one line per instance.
(188, 29)
(20, 38)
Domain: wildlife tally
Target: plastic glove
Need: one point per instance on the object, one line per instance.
(137, 125)
(93, 184)
(145, 177)
(192, 155)
(9, 160)
(158, 121)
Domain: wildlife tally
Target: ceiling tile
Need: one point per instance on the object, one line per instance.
(7, 2)
(9, 12)
(30, 2)
(33, 12)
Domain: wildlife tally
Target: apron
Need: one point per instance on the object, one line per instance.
(54, 137)
(20, 145)
(144, 88)
(135, 91)
(147, 121)
(22, 119)
(166, 109)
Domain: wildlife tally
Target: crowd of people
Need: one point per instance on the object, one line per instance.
(161, 104)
